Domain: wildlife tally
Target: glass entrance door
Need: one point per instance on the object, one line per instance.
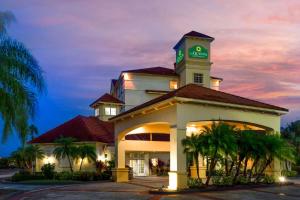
(138, 167)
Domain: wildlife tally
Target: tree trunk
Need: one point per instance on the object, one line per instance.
(212, 166)
(238, 169)
(80, 164)
(252, 167)
(263, 169)
(70, 164)
(226, 165)
(245, 166)
(231, 167)
(196, 157)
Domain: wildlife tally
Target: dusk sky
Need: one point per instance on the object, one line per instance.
(82, 44)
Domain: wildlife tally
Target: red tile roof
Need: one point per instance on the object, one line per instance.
(82, 128)
(106, 98)
(154, 70)
(193, 91)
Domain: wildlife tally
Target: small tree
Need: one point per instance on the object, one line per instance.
(86, 152)
(192, 147)
(34, 152)
(66, 149)
(276, 148)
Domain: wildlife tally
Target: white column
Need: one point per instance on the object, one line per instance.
(178, 173)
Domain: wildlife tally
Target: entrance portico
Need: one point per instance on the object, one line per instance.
(176, 116)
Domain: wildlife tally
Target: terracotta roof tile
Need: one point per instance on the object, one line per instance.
(193, 91)
(82, 128)
(107, 98)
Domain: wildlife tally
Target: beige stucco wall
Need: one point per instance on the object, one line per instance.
(199, 112)
(63, 164)
(135, 86)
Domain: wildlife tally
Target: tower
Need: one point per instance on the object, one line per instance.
(193, 59)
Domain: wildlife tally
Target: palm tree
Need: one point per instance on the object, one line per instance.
(33, 152)
(21, 81)
(278, 148)
(66, 148)
(86, 152)
(18, 157)
(292, 133)
(192, 146)
(32, 131)
(220, 139)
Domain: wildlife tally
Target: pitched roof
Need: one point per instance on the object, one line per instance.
(193, 34)
(197, 34)
(82, 128)
(106, 98)
(194, 91)
(159, 71)
(154, 70)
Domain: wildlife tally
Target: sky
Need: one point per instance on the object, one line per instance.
(81, 45)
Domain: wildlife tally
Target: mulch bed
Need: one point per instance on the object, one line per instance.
(217, 188)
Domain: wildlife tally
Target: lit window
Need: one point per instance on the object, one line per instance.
(110, 111)
(113, 111)
(173, 85)
(198, 78)
(97, 112)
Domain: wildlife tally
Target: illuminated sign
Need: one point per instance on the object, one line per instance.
(179, 56)
(198, 51)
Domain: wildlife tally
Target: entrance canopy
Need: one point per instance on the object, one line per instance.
(191, 106)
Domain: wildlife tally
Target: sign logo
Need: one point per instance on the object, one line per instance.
(179, 56)
(198, 51)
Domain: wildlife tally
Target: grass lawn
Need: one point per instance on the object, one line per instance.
(49, 182)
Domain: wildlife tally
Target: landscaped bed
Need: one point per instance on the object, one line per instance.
(49, 176)
(212, 188)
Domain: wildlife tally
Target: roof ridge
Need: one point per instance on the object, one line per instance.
(240, 97)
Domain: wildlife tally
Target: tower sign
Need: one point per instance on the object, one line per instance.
(198, 51)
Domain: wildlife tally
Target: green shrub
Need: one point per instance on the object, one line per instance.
(4, 163)
(48, 170)
(83, 176)
(219, 172)
(289, 173)
(227, 180)
(243, 180)
(21, 176)
(217, 180)
(65, 175)
(268, 179)
(194, 182)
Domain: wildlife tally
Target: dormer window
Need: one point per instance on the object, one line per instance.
(97, 112)
(110, 111)
(198, 78)
(173, 85)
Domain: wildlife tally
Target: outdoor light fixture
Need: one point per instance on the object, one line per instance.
(282, 179)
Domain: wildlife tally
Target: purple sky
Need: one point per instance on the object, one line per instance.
(82, 44)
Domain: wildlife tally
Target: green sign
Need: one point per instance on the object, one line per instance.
(198, 51)
(179, 56)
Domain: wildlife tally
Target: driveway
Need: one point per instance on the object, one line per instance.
(138, 189)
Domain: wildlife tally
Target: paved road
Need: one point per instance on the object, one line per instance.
(138, 189)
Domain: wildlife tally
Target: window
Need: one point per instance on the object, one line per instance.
(173, 85)
(198, 78)
(110, 111)
(97, 112)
